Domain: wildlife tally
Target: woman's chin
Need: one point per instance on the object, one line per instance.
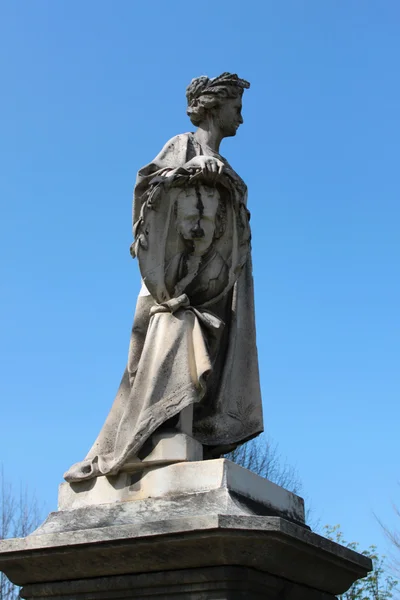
(199, 249)
(232, 131)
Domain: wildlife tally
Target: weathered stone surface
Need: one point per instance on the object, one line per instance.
(192, 482)
(270, 545)
(192, 515)
(164, 448)
(216, 583)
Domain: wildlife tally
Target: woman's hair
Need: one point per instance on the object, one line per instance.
(204, 94)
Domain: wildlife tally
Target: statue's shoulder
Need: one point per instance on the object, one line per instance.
(178, 141)
(176, 151)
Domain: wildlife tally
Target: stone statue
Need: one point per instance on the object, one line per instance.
(193, 344)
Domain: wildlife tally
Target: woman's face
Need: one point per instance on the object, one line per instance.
(229, 116)
(196, 212)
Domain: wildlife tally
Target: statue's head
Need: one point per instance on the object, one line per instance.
(219, 99)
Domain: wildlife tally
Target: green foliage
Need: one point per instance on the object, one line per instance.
(378, 585)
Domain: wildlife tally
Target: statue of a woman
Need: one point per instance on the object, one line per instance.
(193, 337)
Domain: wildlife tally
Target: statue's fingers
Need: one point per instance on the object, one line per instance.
(196, 174)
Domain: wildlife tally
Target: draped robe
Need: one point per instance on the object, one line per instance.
(196, 348)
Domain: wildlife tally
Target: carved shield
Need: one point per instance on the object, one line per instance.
(187, 235)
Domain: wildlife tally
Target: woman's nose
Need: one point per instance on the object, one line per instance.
(197, 231)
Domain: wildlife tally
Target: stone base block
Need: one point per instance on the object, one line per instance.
(213, 583)
(284, 555)
(201, 487)
(165, 448)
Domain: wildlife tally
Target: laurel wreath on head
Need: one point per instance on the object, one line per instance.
(204, 85)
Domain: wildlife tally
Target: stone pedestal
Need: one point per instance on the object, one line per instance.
(209, 531)
(208, 583)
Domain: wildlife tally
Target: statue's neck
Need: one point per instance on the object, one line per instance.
(208, 136)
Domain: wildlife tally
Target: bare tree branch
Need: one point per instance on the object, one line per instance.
(19, 515)
(262, 456)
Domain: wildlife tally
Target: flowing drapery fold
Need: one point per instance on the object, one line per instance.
(202, 351)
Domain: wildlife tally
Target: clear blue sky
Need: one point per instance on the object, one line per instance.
(90, 92)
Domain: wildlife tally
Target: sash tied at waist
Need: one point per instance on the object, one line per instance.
(205, 317)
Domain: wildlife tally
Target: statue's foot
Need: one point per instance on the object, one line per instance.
(86, 469)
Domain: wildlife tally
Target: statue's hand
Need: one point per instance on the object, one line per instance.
(208, 166)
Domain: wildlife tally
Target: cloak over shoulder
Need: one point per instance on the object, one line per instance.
(204, 352)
